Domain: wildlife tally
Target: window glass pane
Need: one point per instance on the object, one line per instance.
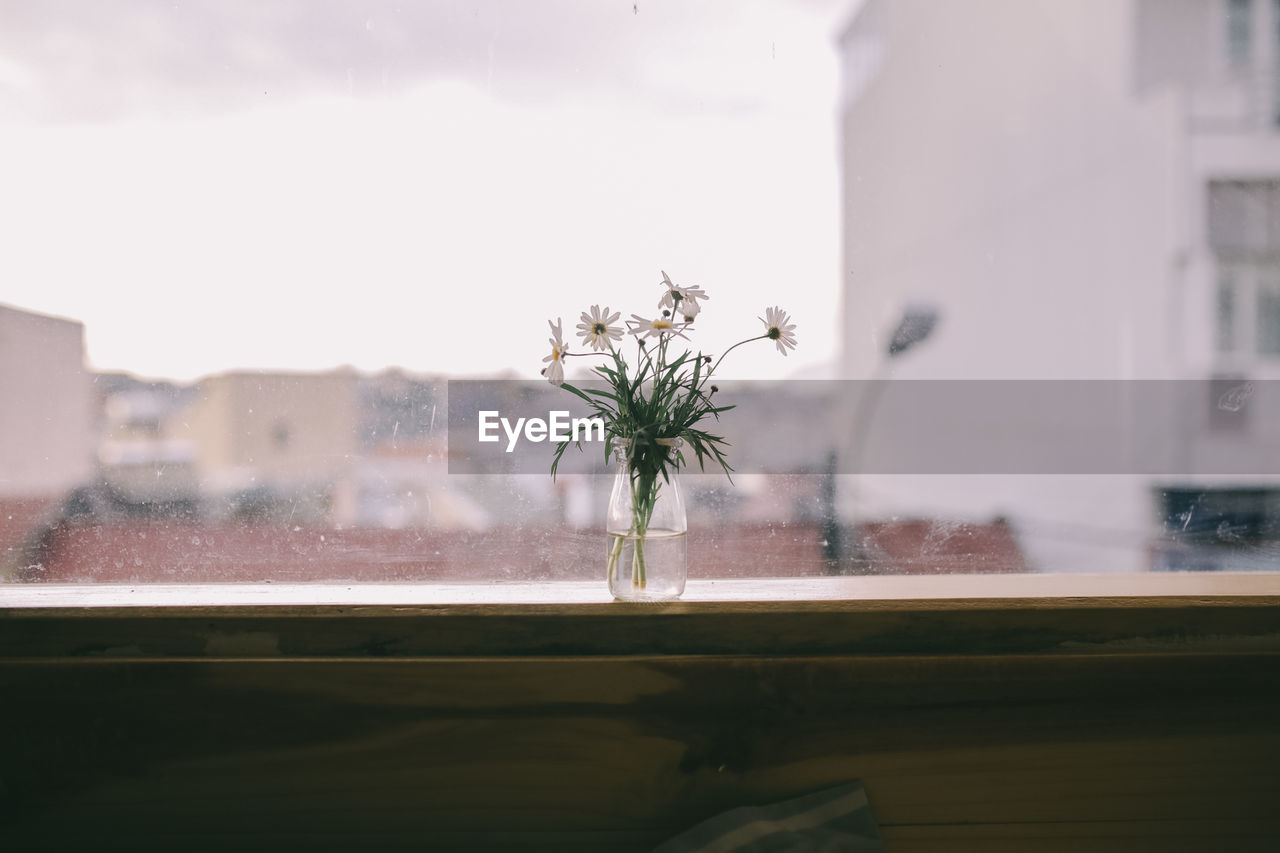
(1239, 32)
(254, 251)
(1269, 311)
(1242, 216)
(1226, 332)
(1271, 239)
(1227, 215)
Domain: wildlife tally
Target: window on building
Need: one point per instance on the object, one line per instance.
(280, 436)
(1239, 33)
(1268, 310)
(1226, 311)
(1244, 233)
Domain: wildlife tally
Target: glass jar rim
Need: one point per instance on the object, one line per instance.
(674, 443)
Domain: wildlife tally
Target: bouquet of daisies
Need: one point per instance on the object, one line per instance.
(653, 407)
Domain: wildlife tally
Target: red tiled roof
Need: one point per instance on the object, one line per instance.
(21, 520)
(179, 552)
(191, 552)
(925, 546)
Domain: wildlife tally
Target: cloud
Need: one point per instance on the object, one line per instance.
(421, 186)
(85, 60)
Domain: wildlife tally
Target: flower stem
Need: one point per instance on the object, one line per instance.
(614, 554)
(638, 570)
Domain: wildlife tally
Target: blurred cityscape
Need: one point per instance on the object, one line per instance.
(336, 476)
(1042, 190)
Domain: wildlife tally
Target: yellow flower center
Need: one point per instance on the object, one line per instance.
(661, 325)
(555, 353)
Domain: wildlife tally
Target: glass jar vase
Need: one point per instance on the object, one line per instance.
(646, 524)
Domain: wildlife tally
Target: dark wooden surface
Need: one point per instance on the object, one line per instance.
(1135, 723)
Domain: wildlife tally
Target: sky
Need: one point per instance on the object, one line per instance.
(301, 185)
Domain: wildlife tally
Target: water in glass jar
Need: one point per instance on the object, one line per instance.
(651, 568)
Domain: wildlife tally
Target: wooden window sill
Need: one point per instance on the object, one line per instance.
(852, 590)
(1008, 614)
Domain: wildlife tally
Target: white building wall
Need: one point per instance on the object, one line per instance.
(1001, 169)
(1003, 164)
(46, 434)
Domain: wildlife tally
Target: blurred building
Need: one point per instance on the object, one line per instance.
(143, 464)
(46, 439)
(275, 446)
(1084, 189)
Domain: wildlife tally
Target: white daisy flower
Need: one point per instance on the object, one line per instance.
(652, 328)
(689, 295)
(555, 370)
(778, 330)
(689, 310)
(597, 328)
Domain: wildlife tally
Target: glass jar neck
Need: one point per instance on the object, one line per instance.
(669, 447)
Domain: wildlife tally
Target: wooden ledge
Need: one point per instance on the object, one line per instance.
(878, 592)
(974, 615)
